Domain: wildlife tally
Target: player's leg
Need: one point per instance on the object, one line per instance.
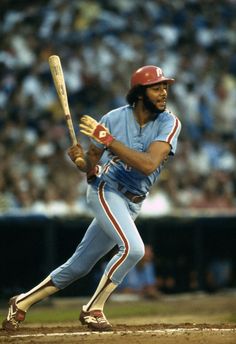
(94, 245)
(113, 215)
(17, 313)
(84, 258)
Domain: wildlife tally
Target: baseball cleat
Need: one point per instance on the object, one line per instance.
(14, 316)
(95, 320)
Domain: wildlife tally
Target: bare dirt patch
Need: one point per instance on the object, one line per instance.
(148, 334)
(199, 319)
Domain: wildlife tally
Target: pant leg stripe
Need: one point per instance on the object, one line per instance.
(117, 228)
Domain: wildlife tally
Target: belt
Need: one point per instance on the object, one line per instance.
(132, 197)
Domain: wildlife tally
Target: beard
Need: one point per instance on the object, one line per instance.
(150, 106)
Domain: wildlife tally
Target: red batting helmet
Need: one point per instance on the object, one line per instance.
(149, 75)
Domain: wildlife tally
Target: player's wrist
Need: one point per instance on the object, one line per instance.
(109, 140)
(102, 135)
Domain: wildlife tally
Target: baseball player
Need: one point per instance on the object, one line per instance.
(134, 141)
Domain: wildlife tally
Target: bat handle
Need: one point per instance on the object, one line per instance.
(74, 140)
(80, 162)
(71, 129)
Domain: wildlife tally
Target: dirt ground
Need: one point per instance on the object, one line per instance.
(123, 334)
(200, 321)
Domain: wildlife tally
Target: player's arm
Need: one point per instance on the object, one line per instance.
(146, 162)
(91, 157)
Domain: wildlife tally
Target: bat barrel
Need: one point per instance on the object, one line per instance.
(59, 82)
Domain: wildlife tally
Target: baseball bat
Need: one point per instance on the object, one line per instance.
(59, 82)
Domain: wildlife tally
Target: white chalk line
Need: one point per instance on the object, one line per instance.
(88, 333)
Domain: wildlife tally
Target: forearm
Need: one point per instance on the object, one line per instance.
(145, 162)
(92, 157)
(142, 161)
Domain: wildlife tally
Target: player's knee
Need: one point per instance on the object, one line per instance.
(136, 253)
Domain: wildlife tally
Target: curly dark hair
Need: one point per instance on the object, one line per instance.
(134, 93)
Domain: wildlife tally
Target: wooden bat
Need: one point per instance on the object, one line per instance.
(59, 82)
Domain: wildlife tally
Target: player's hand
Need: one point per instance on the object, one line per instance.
(90, 127)
(76, 154)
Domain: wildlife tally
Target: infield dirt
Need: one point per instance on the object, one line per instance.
(175, 319)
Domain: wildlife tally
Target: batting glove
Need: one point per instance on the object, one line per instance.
(95, 130)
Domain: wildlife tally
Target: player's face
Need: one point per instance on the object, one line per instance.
(156, 97)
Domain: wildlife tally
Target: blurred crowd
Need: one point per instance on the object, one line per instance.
(100, 44)
(156, 275)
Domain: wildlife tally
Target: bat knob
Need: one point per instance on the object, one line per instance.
(80, 162)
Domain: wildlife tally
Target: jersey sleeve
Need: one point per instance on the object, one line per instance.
(169, 131)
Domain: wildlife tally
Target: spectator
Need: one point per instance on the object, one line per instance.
(142, 279)
(219, 274)
(101, 42)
